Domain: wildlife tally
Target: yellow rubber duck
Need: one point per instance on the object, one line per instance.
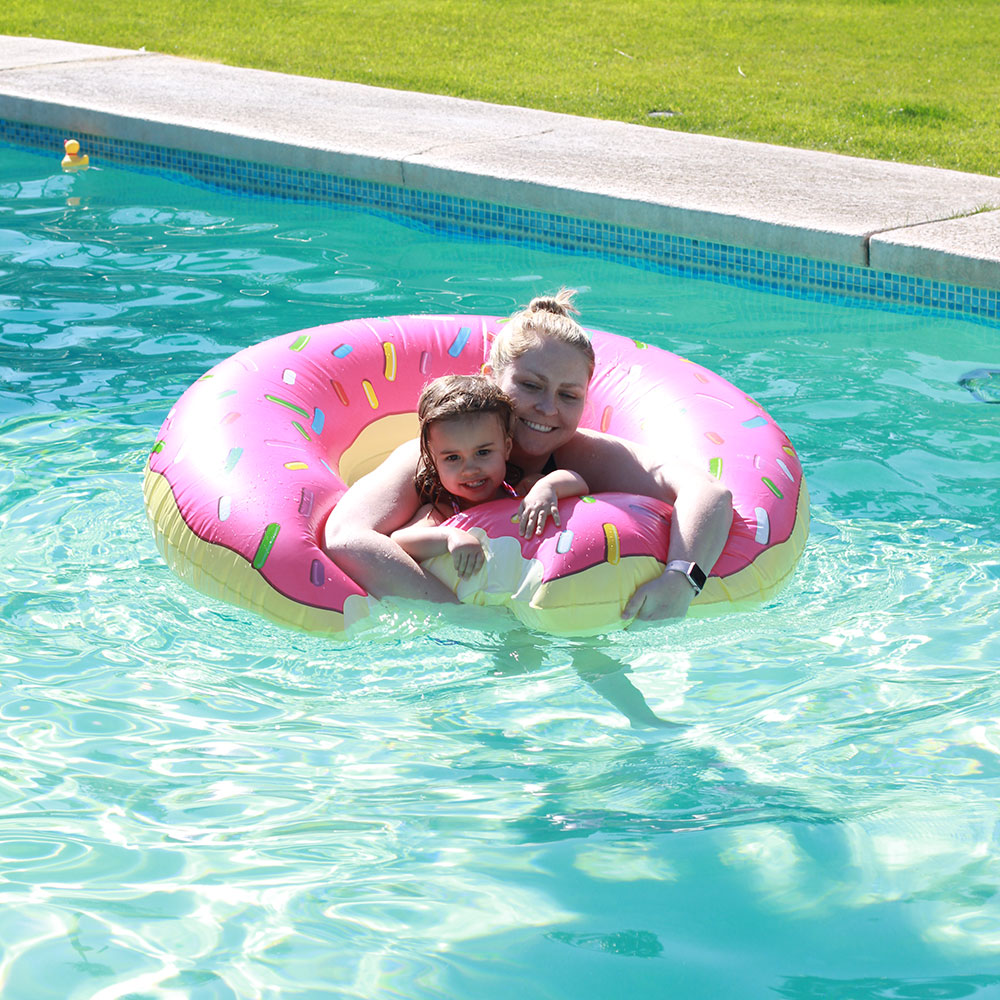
(72, 161)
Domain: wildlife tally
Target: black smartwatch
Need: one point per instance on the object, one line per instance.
(694, 573)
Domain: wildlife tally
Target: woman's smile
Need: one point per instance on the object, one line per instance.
(541, 428)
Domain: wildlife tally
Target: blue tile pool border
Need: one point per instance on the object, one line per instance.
(486, 221)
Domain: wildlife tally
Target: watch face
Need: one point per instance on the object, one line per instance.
(694, 573)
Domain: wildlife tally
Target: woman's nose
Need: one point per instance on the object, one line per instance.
(546, 402)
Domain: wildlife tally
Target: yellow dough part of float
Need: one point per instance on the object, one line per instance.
(254, 456)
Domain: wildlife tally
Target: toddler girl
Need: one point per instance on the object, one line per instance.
(466, 434)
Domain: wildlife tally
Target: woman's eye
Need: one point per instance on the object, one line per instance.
(569, 397)
(533, 386)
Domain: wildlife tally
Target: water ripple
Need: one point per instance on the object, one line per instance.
(197, 803)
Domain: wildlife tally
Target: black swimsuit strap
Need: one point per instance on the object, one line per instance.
(515, 473)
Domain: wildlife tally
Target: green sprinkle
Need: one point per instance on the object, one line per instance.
(588, 499)
(300, 343)
(715, 467)
(266, 543)
(232, 458)
(774, 489)
(301, 430)
(158, 447)
(284, 402)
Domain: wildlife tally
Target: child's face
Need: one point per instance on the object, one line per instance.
(470, 455)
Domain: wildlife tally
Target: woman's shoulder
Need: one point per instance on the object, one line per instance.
(402, 460)
(382, 499)
(607, 462)
(410, 450)
(393, 475)
(588, 445)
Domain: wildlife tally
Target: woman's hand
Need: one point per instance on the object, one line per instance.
(466, 552)
(537, 505)
(702, 519)
(668, 596)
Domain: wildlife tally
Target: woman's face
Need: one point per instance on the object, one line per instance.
(548, 384)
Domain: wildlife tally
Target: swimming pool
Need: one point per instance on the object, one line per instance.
(199, 804)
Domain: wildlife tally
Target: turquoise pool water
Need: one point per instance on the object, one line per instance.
(197, 804)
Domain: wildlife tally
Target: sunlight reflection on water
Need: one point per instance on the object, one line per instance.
(199, 804)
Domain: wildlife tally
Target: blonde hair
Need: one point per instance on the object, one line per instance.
(546, 316)
(447, 398)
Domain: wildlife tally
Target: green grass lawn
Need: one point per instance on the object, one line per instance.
(909, 80)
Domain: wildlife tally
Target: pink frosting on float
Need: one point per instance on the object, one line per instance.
(252, 452)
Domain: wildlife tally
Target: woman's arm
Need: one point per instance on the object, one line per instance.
(540, 501)
(703, 511)
(356, 534)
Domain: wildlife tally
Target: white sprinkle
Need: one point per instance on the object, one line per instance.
(763, 526)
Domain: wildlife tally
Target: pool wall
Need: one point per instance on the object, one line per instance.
(794, 222)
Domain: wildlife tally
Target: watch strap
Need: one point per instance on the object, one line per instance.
(692, 571)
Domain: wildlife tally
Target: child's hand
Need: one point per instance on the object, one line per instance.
(539, 503)
(466, 552)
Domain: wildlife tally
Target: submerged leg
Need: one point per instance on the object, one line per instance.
(609, 678)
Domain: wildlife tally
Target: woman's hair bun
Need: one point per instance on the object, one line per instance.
(561, 304)
(547, 316)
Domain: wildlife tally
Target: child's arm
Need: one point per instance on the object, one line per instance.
(425, 537)
(541, 500)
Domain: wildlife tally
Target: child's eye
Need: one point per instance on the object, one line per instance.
(485, 451)
(450, 458)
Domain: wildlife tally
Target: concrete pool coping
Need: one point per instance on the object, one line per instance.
(910, 220)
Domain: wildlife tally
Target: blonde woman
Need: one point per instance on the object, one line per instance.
(543, 360)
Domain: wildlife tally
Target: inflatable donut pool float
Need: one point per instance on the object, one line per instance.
(254, 455)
